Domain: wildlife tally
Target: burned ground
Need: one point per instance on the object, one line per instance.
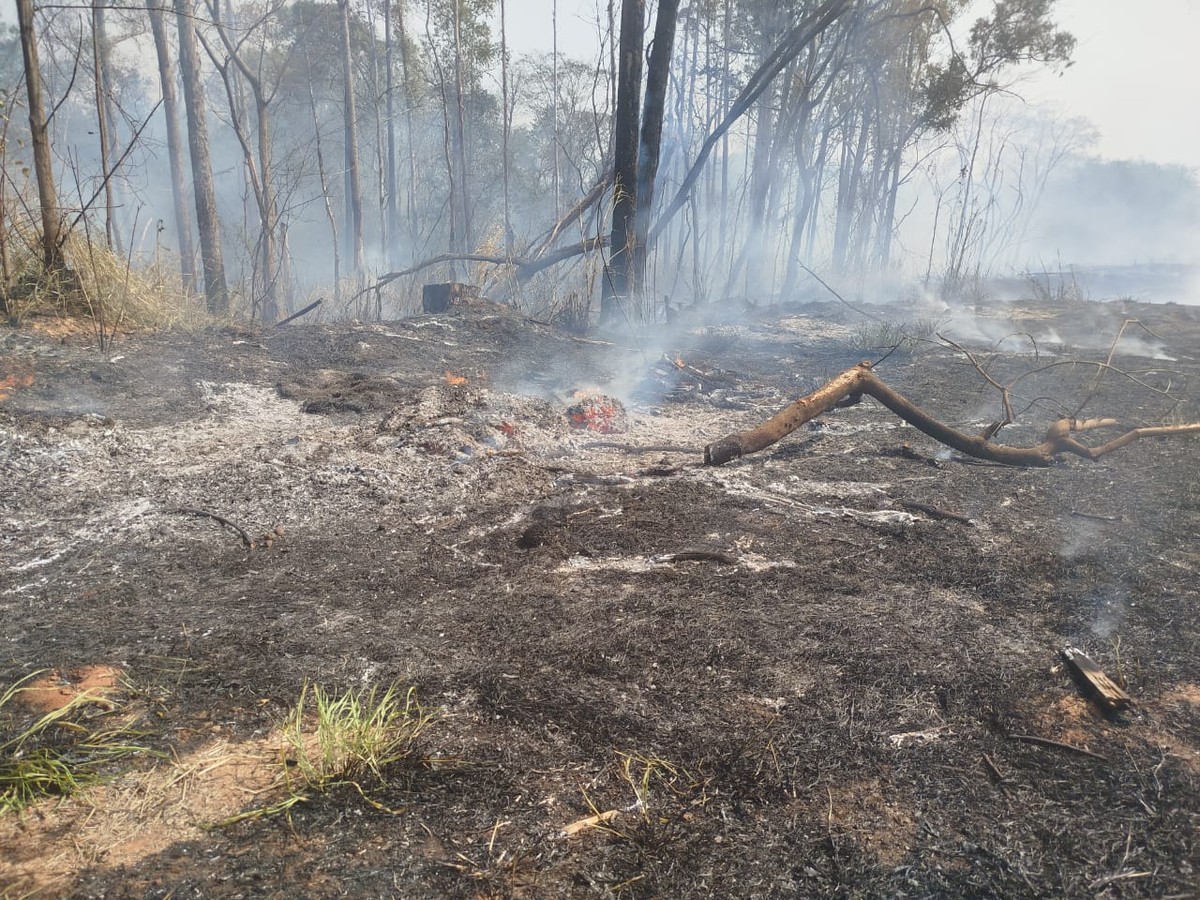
(829, 698)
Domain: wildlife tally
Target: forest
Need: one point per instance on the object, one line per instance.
(265, 154)
(768, 511)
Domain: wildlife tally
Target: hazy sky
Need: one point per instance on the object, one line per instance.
(1134, 76)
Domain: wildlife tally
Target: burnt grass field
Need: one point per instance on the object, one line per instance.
(793, 675)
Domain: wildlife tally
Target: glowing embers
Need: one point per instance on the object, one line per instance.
(452, 379)
(12, 381)
(597, 412)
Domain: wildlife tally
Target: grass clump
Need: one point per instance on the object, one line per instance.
(353, 737)
(60, 753)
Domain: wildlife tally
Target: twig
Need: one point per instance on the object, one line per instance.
(221, 520)
(841, 299)
(1057, 745)
(725, 559)
(634, 448)
(937, 512)
(994, 769)
(1085, 515)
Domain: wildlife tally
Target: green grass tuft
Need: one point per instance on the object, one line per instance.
(58, 754)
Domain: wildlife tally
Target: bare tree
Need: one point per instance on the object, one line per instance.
(354, 212)
(208, 222)
(626, 137)
(166, 77)
(40, 139)
(258, 157)
(101, 73)
(650, 142)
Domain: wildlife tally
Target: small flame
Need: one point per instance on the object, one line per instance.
(679, 363)
(10, 383)
(453, 379)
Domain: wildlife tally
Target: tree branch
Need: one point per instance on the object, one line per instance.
(852, 384)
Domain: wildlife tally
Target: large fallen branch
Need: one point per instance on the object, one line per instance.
(850, 386)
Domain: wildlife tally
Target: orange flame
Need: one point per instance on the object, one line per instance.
(10, 383)
(453, 379)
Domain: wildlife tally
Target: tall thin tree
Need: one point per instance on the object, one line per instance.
(354, 212)
(208, 221)
(166, 77)
(39, 137)
(626, 137)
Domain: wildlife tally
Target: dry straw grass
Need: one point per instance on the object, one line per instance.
(100, 286)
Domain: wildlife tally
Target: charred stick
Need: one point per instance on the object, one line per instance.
(1057, 745)
(296, 315)
(220, 520)
(725, 559)
(1094, 681)
(994, 769)
(936, 512)
(631, 448)
(1085, 515)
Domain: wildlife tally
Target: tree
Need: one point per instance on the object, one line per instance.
(183, 221)
(208, 222)
(626, 137)
(39, 137)
(257, 153)
(354, 212)
(650, 142)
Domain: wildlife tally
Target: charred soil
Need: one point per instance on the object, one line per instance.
(788, 676)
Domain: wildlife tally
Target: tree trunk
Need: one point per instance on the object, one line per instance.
(354, 213)
(650, 149)
(183, 221)
(393, 202)
(108, 148)
(626, 138)
(208, 222)
(459, 133)
(39, 136)
(506, 130)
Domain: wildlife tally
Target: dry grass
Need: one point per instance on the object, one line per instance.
(103, 288)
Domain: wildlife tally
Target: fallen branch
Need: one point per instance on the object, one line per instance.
(850, 386)
(1056, 745)
(936, 512)
(294, 316)
(526, 267)
(725, 559)
(220, 520)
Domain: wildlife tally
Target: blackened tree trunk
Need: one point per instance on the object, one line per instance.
(208, 222)
(183, 221)
(40, 139)
(626, 137)
(650, 151)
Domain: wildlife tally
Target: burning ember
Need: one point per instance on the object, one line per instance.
(597, 412)
(453, 379)
(10, 383)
